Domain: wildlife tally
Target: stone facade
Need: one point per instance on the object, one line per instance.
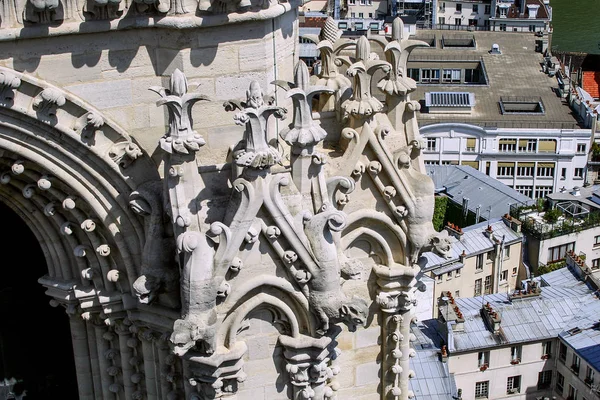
(207, 237)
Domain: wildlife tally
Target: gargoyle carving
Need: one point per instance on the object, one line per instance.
(8, 83)
(326, 298)
(103, 9)
(254, 150)
(197, 327)
(43, 11)
(224, 6)
(158, 272)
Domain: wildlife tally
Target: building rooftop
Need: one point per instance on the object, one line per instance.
(514, 74)
(583, 335)
(553, 312)
(461, 181)
(473, 241)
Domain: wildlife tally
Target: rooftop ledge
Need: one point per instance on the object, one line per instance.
(143, 22)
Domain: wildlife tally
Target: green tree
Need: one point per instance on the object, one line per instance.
(439, 212)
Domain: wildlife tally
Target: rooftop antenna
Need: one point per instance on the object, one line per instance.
(489, 210)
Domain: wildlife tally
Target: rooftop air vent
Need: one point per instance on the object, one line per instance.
(449, 102)
(495, 49)
(576, 191)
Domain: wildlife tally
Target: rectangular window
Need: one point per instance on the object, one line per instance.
(596, 240)
(503, 27)
(559, 252)
(589, 376)
(477, 291)
(487, 285)
(471, 76)
(575, 364)
(525, 169)
(475, 8)
(413, 73)
(431, 144)
(458, 271)
(505, 169)
(451, 75)
(544, 379)
(442, 7)
(542, 191)
(572, 393)
(578, 173)
(545, 169)
(546, 349)
(514, 271)
(458, 7)
(562, 352)
(449, 276)
(531, 28)
(362, 2)
(506, 254)
(482, 389)
(488, 9)
(440, 277)
(508, 145)
(457, 21)
(563, 173)
(442, 20)
(457, 293)
(525, 190)
(560, 383)
(515, 354)
(359, 25)
(581, 147)
(504, 275)
(596, 263)
(430, 75)
(479, 262)
(513, 384)
(483, 359)
(527, 145)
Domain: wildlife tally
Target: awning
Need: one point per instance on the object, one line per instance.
(474, 164)
(506, 164)
(508, 141)
(547, 145)
(526, 164)
(545, 165)
(471, 142)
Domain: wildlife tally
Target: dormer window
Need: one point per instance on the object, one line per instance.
(533, 9)
(503, 9)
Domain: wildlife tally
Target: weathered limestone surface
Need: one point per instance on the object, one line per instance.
(215, 222)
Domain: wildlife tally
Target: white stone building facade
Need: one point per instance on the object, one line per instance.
(533, 162)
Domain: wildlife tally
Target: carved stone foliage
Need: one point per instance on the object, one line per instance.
(362, 103)
(397, 51)
(255, 150)
(43, 11)
(180, 138)
(303, 132)
(8, 83)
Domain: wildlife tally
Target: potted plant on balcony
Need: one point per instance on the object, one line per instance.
(545, 356)
(483, 367)
(515, 361)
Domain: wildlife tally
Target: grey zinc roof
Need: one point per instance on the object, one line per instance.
(563, 278)
(460, 181)
(524, 320)
(432, 379)
(473, 241)
(586, 343)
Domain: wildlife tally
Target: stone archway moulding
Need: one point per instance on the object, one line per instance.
(68, 172)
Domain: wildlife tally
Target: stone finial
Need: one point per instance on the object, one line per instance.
(303, 132)
(254, 151)
(397, 52)
(362, 103)
(180, 138)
